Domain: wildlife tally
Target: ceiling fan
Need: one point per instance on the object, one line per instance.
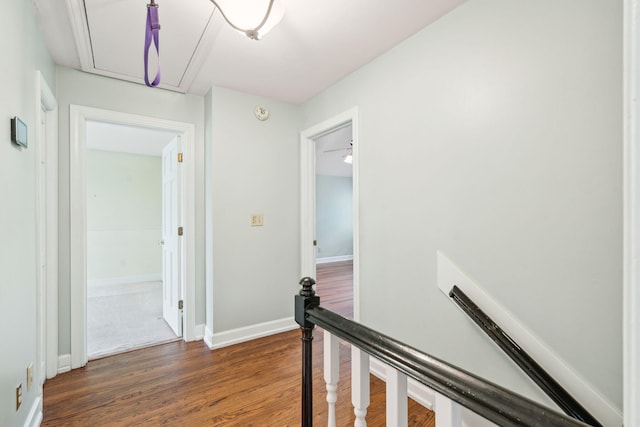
(348, 158)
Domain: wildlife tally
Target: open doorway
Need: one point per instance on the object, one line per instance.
(341, 131)
(79, 118)
(334, 219)
(131, 203)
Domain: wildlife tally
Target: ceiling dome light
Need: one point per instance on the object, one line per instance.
(253, 18)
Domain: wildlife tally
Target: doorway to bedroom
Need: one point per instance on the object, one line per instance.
(129, 258)
(334, 219)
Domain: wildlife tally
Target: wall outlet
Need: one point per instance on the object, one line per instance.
(18, 396)
(29, 376)
(257, 220)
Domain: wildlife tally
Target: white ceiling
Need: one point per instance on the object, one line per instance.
(317, 43)
(127, 139)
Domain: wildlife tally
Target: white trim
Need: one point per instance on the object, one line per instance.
(421, 393)
(307, 206)
(64, 363)
(449, 274)
(247, 333)
(78, 236)
(34, 418)
(198, 332)
(78, 116)
(48, 306)
(77, 18)
(208, 337)
(330, 259)
(208, 223)
(308, 194)
(631, 210)
(112, 281)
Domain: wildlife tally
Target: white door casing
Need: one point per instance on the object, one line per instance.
(41, 236)
(308, 197)
(46, 137)
(78, 117)
(170, 240)
(631, 214)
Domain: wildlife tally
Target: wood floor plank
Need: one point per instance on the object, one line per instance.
(256, 383)
(334, 285)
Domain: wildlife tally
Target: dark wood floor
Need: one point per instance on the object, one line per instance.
(256, 383)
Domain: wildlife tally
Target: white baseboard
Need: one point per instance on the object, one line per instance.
(208, 337)
(198, 332)
(247, 333)
(604, 411)
(34, 418)
(43, 373)
(110, 281)
(327, 260)
(64, 363)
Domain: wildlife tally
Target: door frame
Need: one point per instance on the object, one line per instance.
(308, 197)
(631, 211)
(47, 289)
(78, 117)
(170, 239)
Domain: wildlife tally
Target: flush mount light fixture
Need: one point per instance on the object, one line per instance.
(253, 18)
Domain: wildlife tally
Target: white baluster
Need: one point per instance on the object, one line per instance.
(397, 410)
(447, 412)
(359, 385)
(331, 373)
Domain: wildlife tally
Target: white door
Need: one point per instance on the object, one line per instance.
(171, 248)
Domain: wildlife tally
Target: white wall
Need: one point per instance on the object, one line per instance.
(334, 216)
(255, 169)
(90, 90)
(124, 216)
(495, 136)
(23, 52)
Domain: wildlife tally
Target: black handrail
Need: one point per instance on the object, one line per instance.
(489, 400)
(550, 386)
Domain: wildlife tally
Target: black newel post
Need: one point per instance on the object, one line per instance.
(304, 300)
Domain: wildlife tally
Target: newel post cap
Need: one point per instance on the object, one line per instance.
(305, 300)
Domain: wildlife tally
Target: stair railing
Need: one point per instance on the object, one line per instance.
(454, 387)
(529, 366)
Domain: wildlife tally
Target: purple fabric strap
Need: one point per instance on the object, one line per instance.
(152, 33)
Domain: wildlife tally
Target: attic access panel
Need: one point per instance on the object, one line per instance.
(115, 33)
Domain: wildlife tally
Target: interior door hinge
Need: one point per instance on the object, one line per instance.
(179, 157)
(180, 231)
(180, 305)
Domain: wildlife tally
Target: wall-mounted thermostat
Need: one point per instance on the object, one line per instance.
(18, 132)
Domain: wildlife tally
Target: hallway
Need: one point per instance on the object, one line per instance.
(185, 384)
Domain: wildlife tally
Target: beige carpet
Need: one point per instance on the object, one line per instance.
(125, 317)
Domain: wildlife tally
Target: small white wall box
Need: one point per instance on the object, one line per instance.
(18, 132)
